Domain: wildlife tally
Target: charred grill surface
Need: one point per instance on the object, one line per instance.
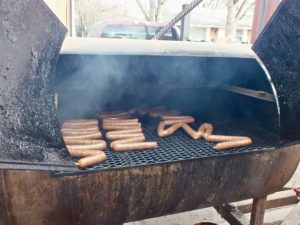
(180, 147)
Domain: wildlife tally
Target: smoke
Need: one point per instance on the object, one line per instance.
(88, 84)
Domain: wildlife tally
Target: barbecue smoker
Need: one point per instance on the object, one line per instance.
(222, 84)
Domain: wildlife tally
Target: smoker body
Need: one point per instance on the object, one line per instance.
(220, 84)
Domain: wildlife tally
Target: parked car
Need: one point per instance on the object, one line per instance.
(130, 30)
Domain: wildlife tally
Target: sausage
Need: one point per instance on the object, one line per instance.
(206, 129)
(190, 131)
(101, 143)
(162, 132)
(108, 120)
(128, 140)
(120, 127)
(131, 131)
(99, 146)
(135, 146)
(175, 117)
(233, 144)
(130, 123)
(83, 152)
(113, 137)
(222, 138)
(79, 126)
(91, 160)
(95, 129)
(81, 122)
(84, 136)
(78, 132)
(183, 120)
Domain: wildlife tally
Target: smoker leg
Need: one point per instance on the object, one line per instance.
(258, 211)
(232, 215)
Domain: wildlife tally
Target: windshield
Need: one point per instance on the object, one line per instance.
(132, 32)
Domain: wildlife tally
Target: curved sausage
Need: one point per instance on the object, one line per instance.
(91, 160)
(162, 132)
(190, 131)
(222, 138)
(183, 120)
(135, 146)
(113, 137)
(100, 143)
(128, 140)
(84, 136)
(99, 146)
(83, 153)
(206, 129)
(120, 127)
(233, 144)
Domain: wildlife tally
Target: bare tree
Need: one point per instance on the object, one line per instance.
(91, 11)
(151, 9)
(236, 10)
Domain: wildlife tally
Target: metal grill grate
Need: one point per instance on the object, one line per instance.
(179, 147)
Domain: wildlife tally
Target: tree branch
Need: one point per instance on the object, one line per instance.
(246, 10)
(240, 8)
(140, 4)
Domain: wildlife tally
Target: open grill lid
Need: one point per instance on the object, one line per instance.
(278, 47)
(30, 40)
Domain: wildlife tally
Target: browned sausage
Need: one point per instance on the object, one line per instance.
(115, 120)
(222, 138)
(83, 153)
(190, 131)
(78, 132)
(233, 144)
(162, 132)
(94, 129)
(131, 131)
(120, 127)
(79, 126)
(81, 122)
(101, 143)
(183, 120)
(128, 140)
(206, 129)
(84, 136)
(86, 147)
(135, 146)
(113, 137)
(121, 123)
(91, 160)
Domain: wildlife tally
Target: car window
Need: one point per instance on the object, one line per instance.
(132, 32)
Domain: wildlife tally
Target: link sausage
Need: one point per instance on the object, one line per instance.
(120, 127)
(131, 123)
(79, 126)
(83, 153)
(86, 147)
(184, 120)
(162, 132)
(131, 131)
(113, 137)
(222, 138)
(81, 122)
(91, 160)
(233, 144)
(109, 120)
(206, 129)
(190, 131)
(135, 146)
(78, 132)
(95, 129)
(86, 142)
(84, 136)
(128, 140)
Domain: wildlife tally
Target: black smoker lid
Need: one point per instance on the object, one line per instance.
(278, 46)
(30, 40)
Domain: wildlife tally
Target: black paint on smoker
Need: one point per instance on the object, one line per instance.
(278, 47)
(30, 39)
